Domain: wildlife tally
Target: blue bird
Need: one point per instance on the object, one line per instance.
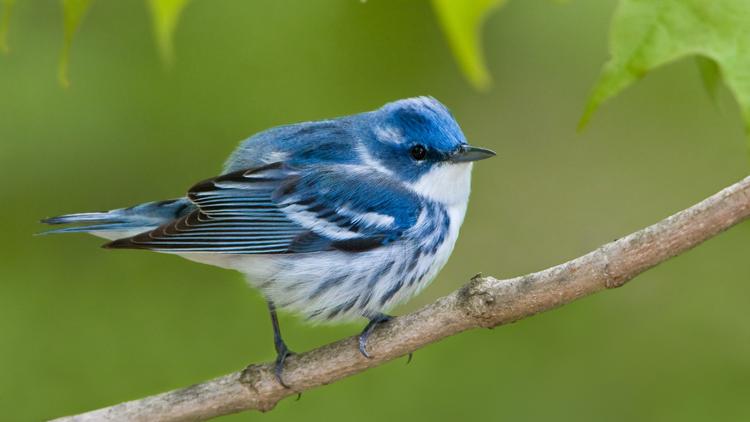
(333, 219)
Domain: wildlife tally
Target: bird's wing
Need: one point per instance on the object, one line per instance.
(351, 207)
(277, 209)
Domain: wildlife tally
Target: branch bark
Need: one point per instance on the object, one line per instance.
(483, 302)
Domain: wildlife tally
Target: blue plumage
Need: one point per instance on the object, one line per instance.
(331, 219)
(123, 221)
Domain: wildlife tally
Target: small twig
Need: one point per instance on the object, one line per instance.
(483, 302)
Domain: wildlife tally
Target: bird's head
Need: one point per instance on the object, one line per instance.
(417, 139)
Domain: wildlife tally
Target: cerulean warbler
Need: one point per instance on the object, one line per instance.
(333, 219)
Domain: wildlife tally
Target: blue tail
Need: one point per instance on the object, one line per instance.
(123, 221)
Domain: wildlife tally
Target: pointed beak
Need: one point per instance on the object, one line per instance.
(467, 153)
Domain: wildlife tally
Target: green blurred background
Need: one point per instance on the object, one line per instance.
(82, 327)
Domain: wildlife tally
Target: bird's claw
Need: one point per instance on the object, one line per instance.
(363, 346)
(282, 353)
(369, 328)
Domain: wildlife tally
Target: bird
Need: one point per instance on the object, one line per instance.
(332, 220)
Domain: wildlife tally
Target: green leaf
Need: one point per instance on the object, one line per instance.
(73, 12)
(461, 21)
(646, 34)
(710, 75)
(165, 14)
(5, 24)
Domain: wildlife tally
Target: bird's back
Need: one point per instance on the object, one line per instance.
(298, 144)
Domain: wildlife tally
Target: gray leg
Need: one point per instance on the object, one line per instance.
(282, 352)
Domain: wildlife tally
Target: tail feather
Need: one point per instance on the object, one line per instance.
(109, 227)
(81, 217)
(122, 222)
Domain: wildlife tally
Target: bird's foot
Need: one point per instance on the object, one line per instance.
(282, 352)
(374, 321)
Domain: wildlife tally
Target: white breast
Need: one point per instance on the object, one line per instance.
(448, 184)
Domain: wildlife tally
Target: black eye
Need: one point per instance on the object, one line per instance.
(418, 152)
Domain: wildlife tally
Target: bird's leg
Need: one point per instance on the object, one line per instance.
(282, 352)
(374, 321)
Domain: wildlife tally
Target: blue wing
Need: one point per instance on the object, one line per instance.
(279, 209)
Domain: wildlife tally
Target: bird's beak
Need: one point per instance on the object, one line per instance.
(467, 153)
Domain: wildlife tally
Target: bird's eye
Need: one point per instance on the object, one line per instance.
(418, 152)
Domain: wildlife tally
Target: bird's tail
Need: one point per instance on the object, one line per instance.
(122, 222)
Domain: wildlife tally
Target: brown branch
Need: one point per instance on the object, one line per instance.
(483, 302)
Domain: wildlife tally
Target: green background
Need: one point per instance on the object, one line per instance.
(82, 327)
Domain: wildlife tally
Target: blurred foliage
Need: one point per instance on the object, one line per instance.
(6, 8)
(710, 75)
(73, 12)
(648, 34)
(644, 35)
(165, 14)
(461, 22)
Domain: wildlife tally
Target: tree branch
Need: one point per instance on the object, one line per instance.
(483, 302)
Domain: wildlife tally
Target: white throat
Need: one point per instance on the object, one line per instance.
(448, 184)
